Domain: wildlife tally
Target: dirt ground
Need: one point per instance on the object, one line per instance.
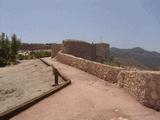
(87, 98)
(19, 83)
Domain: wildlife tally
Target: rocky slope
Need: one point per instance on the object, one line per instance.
(137, 57)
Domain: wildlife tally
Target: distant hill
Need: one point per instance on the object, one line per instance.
(136, 57)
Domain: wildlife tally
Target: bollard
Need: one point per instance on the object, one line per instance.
(55, 72)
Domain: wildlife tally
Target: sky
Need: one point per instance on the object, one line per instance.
(121, 23)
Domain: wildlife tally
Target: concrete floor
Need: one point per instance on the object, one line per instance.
(87, 98)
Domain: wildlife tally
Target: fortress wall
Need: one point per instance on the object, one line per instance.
(143, 85)
(102, 51)
(78, 48)
(102, 71)
(98, 52)
(55, 49)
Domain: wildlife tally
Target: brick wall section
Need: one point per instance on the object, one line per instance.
(102, 71)
(143, 85)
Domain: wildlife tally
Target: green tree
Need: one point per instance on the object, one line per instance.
(8, 49)
(4, 49)
(15, 44)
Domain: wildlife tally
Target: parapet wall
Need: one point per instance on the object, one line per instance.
(102, 71)
(143, 85)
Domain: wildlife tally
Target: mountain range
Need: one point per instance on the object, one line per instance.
(136, 57)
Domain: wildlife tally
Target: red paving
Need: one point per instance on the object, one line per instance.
(87, 98)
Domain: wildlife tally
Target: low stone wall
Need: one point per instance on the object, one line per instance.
(143, 85)
(102, 71)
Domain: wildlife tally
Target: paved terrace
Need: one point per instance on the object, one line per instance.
(87, 98)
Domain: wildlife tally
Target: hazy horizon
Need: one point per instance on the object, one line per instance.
(122, 24)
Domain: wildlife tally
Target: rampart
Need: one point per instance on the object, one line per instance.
(55, 49)
(102, 52)
(79, 49)
(96, 52)
(143, 85)
(102, 71)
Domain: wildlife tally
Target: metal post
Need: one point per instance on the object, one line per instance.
(55, 72)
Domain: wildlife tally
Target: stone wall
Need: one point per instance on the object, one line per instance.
(55, 49)
(102, 71)
(78, 48)
(96, 52)
(102, 52)
(143, 85)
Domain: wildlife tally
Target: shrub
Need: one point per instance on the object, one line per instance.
(40, 54)
(34, 54)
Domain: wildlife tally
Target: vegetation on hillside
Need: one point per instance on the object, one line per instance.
(8, 49)
(136, 57)
(34, 54)
(111, 61)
